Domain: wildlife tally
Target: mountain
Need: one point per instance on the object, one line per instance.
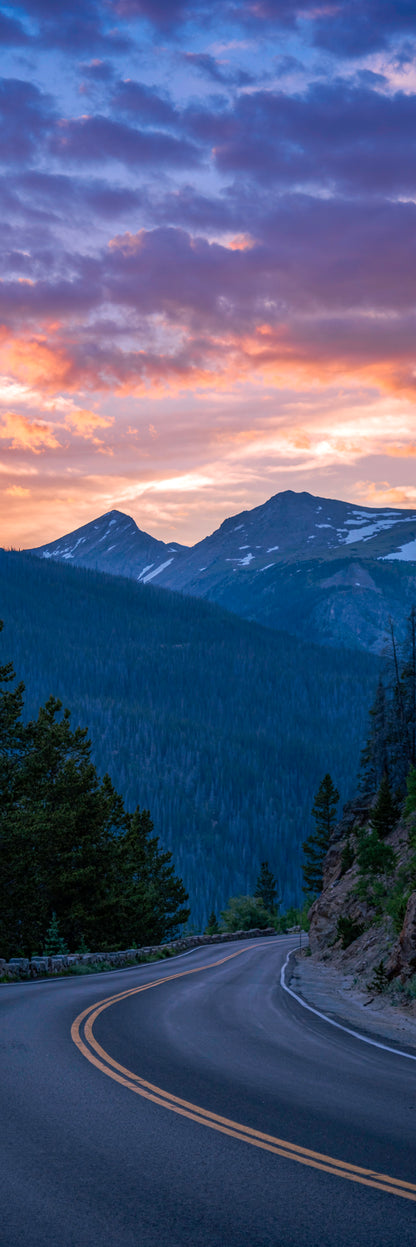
(322, 569)
(222, 728)
(113, 543)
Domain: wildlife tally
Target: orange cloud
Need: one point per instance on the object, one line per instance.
(17, 491)
(384, 494)
(241, 242)
(35, 362)
(85, 423)
(24, 434)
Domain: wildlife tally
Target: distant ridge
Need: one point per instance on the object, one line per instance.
(329, 570)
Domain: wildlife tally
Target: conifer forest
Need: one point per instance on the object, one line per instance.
(219, 727)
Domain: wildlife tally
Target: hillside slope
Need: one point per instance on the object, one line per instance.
(222, 728)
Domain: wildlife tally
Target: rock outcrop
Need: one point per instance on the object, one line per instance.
(345, 929)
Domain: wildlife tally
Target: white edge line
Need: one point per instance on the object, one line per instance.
(356, 1034)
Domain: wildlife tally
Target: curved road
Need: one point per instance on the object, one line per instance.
(205, 1110)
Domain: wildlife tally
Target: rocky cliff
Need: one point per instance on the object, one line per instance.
(365, 922)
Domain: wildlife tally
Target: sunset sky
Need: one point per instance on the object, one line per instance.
(209, 258)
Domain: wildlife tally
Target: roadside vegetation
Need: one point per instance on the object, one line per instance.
(366, 865)
(77, 870)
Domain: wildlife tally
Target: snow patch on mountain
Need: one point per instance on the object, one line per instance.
(406, 553)
(157, 571)
(362, 532)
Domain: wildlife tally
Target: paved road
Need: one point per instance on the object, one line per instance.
(209, 1110)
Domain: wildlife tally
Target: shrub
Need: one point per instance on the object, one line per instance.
(379, 982)
(374, 856)
(348, 930)
(243, 913)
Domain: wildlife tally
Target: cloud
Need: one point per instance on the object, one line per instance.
(17, 491)
(24, 434)
(166, 305)
(333, 136)
(144, 102)
(216, 70)
(99, 138)
(97, 70)
(355, 28)
(85, 423)
(12, 32)
(345, 28)
(25, 118)
(222, 250)
(82, 26)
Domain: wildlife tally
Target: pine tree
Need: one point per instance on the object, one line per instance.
(266, 888)
(67, 845)
(212, 927)
(152, 899)
(374, 756)
(408, 683)
(410, 806)
(316, 846)
(384, 815)
(18, 881)
(70, 821)
(54, 942)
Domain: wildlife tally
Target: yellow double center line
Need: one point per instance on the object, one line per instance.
(83, 1036)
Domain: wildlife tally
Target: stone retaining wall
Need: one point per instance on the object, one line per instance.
(19, 968)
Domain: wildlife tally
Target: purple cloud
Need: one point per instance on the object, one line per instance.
(84, 25)
(97, 70)
(145, 103)
(12, 33)
(212, 68)
(99, 138)
(25, 119)
(335, 135)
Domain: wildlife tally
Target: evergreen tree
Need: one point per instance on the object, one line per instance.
(391, 745)
(67, 822)
(315, 847)
(54, 943)
(384, 815)
(266, 889)
(152, 902)
(410, 806)
(374, 756)
(212, 927)
(408, 683)
(67, 845)
(373, 856)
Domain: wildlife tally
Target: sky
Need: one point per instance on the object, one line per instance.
(208, 261)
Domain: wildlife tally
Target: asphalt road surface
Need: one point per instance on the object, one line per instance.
(206, 1110)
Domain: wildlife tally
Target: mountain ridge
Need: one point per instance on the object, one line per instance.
(357, 565)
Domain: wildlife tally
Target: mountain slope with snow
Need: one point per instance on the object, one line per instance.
(113, 543)
(320, 568)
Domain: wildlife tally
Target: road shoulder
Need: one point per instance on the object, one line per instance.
(341, 998)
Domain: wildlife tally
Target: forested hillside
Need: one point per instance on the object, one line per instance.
(220, 727)
(364, 918)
